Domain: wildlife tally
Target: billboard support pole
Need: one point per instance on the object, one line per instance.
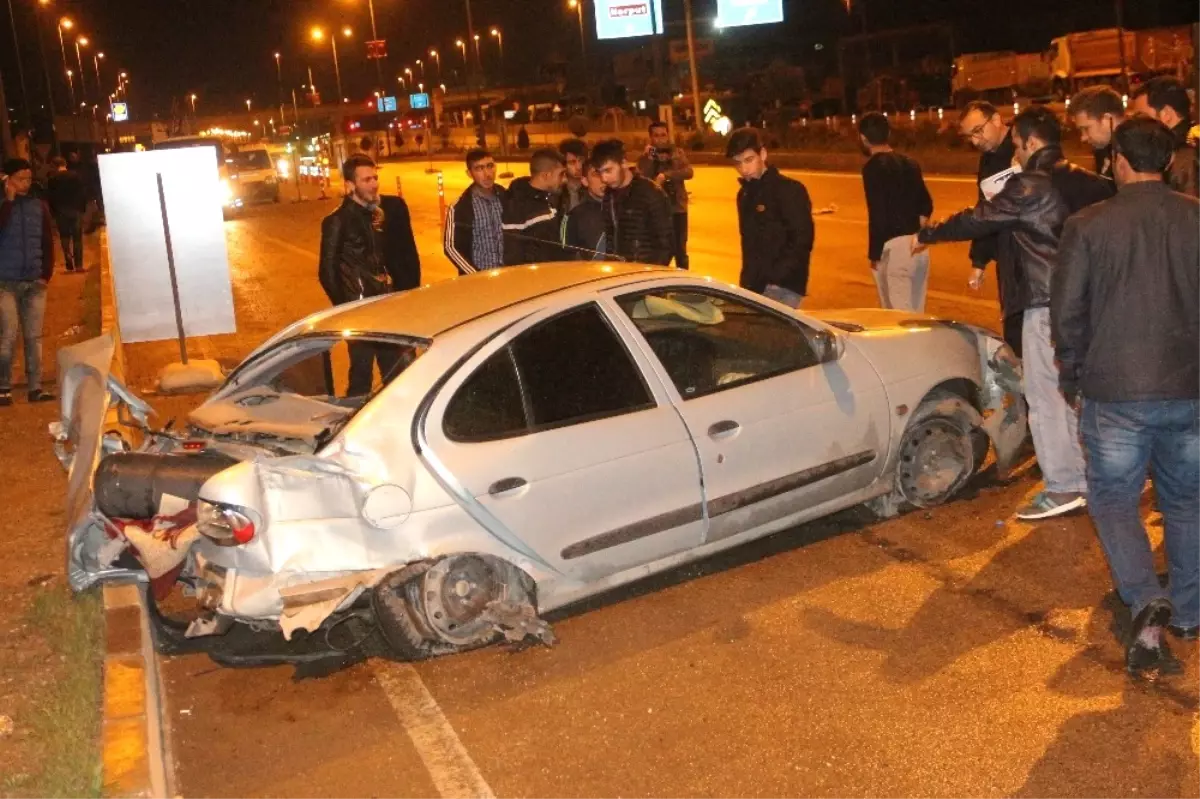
(162, 204)
(691, 45)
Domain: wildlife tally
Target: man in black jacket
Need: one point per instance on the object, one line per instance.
(1126, 314)
(473, 238)
(1097, 111)
(357, 240)
(775, 221)
(982, 125)
(1028, 216)
(1166, 99)
(583, 227)
(637, 214)
(67, 195)
(533, 212)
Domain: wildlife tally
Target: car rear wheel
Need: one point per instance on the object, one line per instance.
(939, 452)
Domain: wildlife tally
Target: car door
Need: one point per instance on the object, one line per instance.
(562, 443)
(779, 431)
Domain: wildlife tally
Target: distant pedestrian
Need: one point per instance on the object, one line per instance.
(575, 155)
(982, 125)
(522, 139)
(583, 228)
(1126, 314)
(1166, 99)
(775, 221)
(1097, 111)
(898, 205)
(353, 263)
(667, 165)
(474, 234)
(26, 266)
(1028, 216)
(533, 212)
(637, 215)
(67, 196)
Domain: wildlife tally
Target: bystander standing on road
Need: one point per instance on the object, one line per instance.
(775, 222)
(353, 262)
(1028, 214)
(1097, 111)
(1166, 99)
(982, 125)
(575, 154)
(637, 215)
(667, 165)
(474, 235)
(533, 212)
(26, 266)
(1126, 316)
(67, 196)
(898, 205)
(583, 228)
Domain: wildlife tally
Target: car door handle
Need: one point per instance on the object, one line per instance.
(506, 485)
(724, 428)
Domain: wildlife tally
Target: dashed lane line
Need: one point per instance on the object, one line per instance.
(451, 769)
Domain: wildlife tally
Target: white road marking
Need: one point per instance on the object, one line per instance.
(452, 770)
(287, 245)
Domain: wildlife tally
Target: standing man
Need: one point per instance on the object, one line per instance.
(474, 236)
(353, 262)
(68, 202)
(532, 212)
(26, 266)
(898, 205)
(583, 228)
(775, 221)
(1126, 313)
(637, 215)
(400, 255)
(1097, 111)
(574, 153)
(1166, 99)
(982, 126)
(668, 167)
(1028, 216)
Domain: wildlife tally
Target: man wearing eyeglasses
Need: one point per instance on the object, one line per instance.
(981, 125)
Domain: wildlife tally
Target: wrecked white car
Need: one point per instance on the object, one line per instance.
(431, 471)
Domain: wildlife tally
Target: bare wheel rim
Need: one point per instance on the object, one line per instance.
(935, 459)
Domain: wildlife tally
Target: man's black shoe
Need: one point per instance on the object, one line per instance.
(1147, 649)
(1184, 633)
(5, 399)
(37, 395)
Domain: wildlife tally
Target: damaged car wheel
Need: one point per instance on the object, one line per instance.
(456, 603)
(939, 451)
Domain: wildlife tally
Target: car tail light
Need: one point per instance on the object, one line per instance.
(224, 524)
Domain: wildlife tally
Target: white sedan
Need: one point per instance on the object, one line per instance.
(426, 472)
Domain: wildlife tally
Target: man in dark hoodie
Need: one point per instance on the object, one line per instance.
(637, 214)
(775, 220)
(533, 210)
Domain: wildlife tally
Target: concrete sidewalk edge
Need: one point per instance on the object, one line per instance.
(135, 736)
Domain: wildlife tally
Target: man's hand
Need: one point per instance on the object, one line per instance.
(975, 281)
(10, 190)
(661, 179)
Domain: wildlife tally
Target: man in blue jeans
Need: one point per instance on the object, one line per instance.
(1125, 306)
(26, 265)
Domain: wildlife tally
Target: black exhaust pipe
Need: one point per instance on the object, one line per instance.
(130, 485)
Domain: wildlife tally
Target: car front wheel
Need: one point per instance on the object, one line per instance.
(939, 451)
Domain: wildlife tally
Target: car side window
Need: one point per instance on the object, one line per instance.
(710, 341)
(488, 405)
(574, 369)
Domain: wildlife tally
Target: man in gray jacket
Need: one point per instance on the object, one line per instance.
(1125, 307)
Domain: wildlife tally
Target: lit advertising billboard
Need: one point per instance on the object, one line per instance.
(619, 19)
(732, 13)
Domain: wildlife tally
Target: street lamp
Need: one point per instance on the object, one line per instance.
(193, 99)
(375, 37)
(434, 55)
(500, 42)
(421, 64)
(45, 65)
(319, 35)
(577, 7)
(463, 46)
(247, 105)
(65, 24)
(408, 72)
(71, 86)
(81, 41)
(403, 82)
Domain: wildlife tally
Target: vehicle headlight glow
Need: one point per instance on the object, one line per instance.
(283, 167)
(226, 193)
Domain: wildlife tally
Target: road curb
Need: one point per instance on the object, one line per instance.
(134, 737)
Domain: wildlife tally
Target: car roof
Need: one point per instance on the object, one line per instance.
(431, 310)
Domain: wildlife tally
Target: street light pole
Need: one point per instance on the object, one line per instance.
(71, 91)
(337, 71)
(65, 22)
(28, 115)
(500, 42)
(375, 36)
(193, 99)
(96, 59)
(691, 45)
(46, 68)
(436, 57)
(81, 40)
(578, 6)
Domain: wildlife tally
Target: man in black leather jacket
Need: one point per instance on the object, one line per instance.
(1126, 313)
(367, 249)
(1028, 214)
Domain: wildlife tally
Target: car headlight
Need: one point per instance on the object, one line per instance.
(271, 179)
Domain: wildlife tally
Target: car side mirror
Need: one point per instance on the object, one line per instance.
(830, 346)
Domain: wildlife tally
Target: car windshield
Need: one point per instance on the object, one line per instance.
(252, 159)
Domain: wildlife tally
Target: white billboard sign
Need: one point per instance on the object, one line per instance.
(138, 249)
(619, 19)
(732, 13)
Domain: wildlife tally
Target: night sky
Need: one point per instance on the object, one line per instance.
(222, 49)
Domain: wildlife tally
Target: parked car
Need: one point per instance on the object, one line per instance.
(256, 175)
(534, 435)
(231, 199)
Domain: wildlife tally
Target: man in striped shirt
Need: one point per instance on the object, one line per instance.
(473, 238)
